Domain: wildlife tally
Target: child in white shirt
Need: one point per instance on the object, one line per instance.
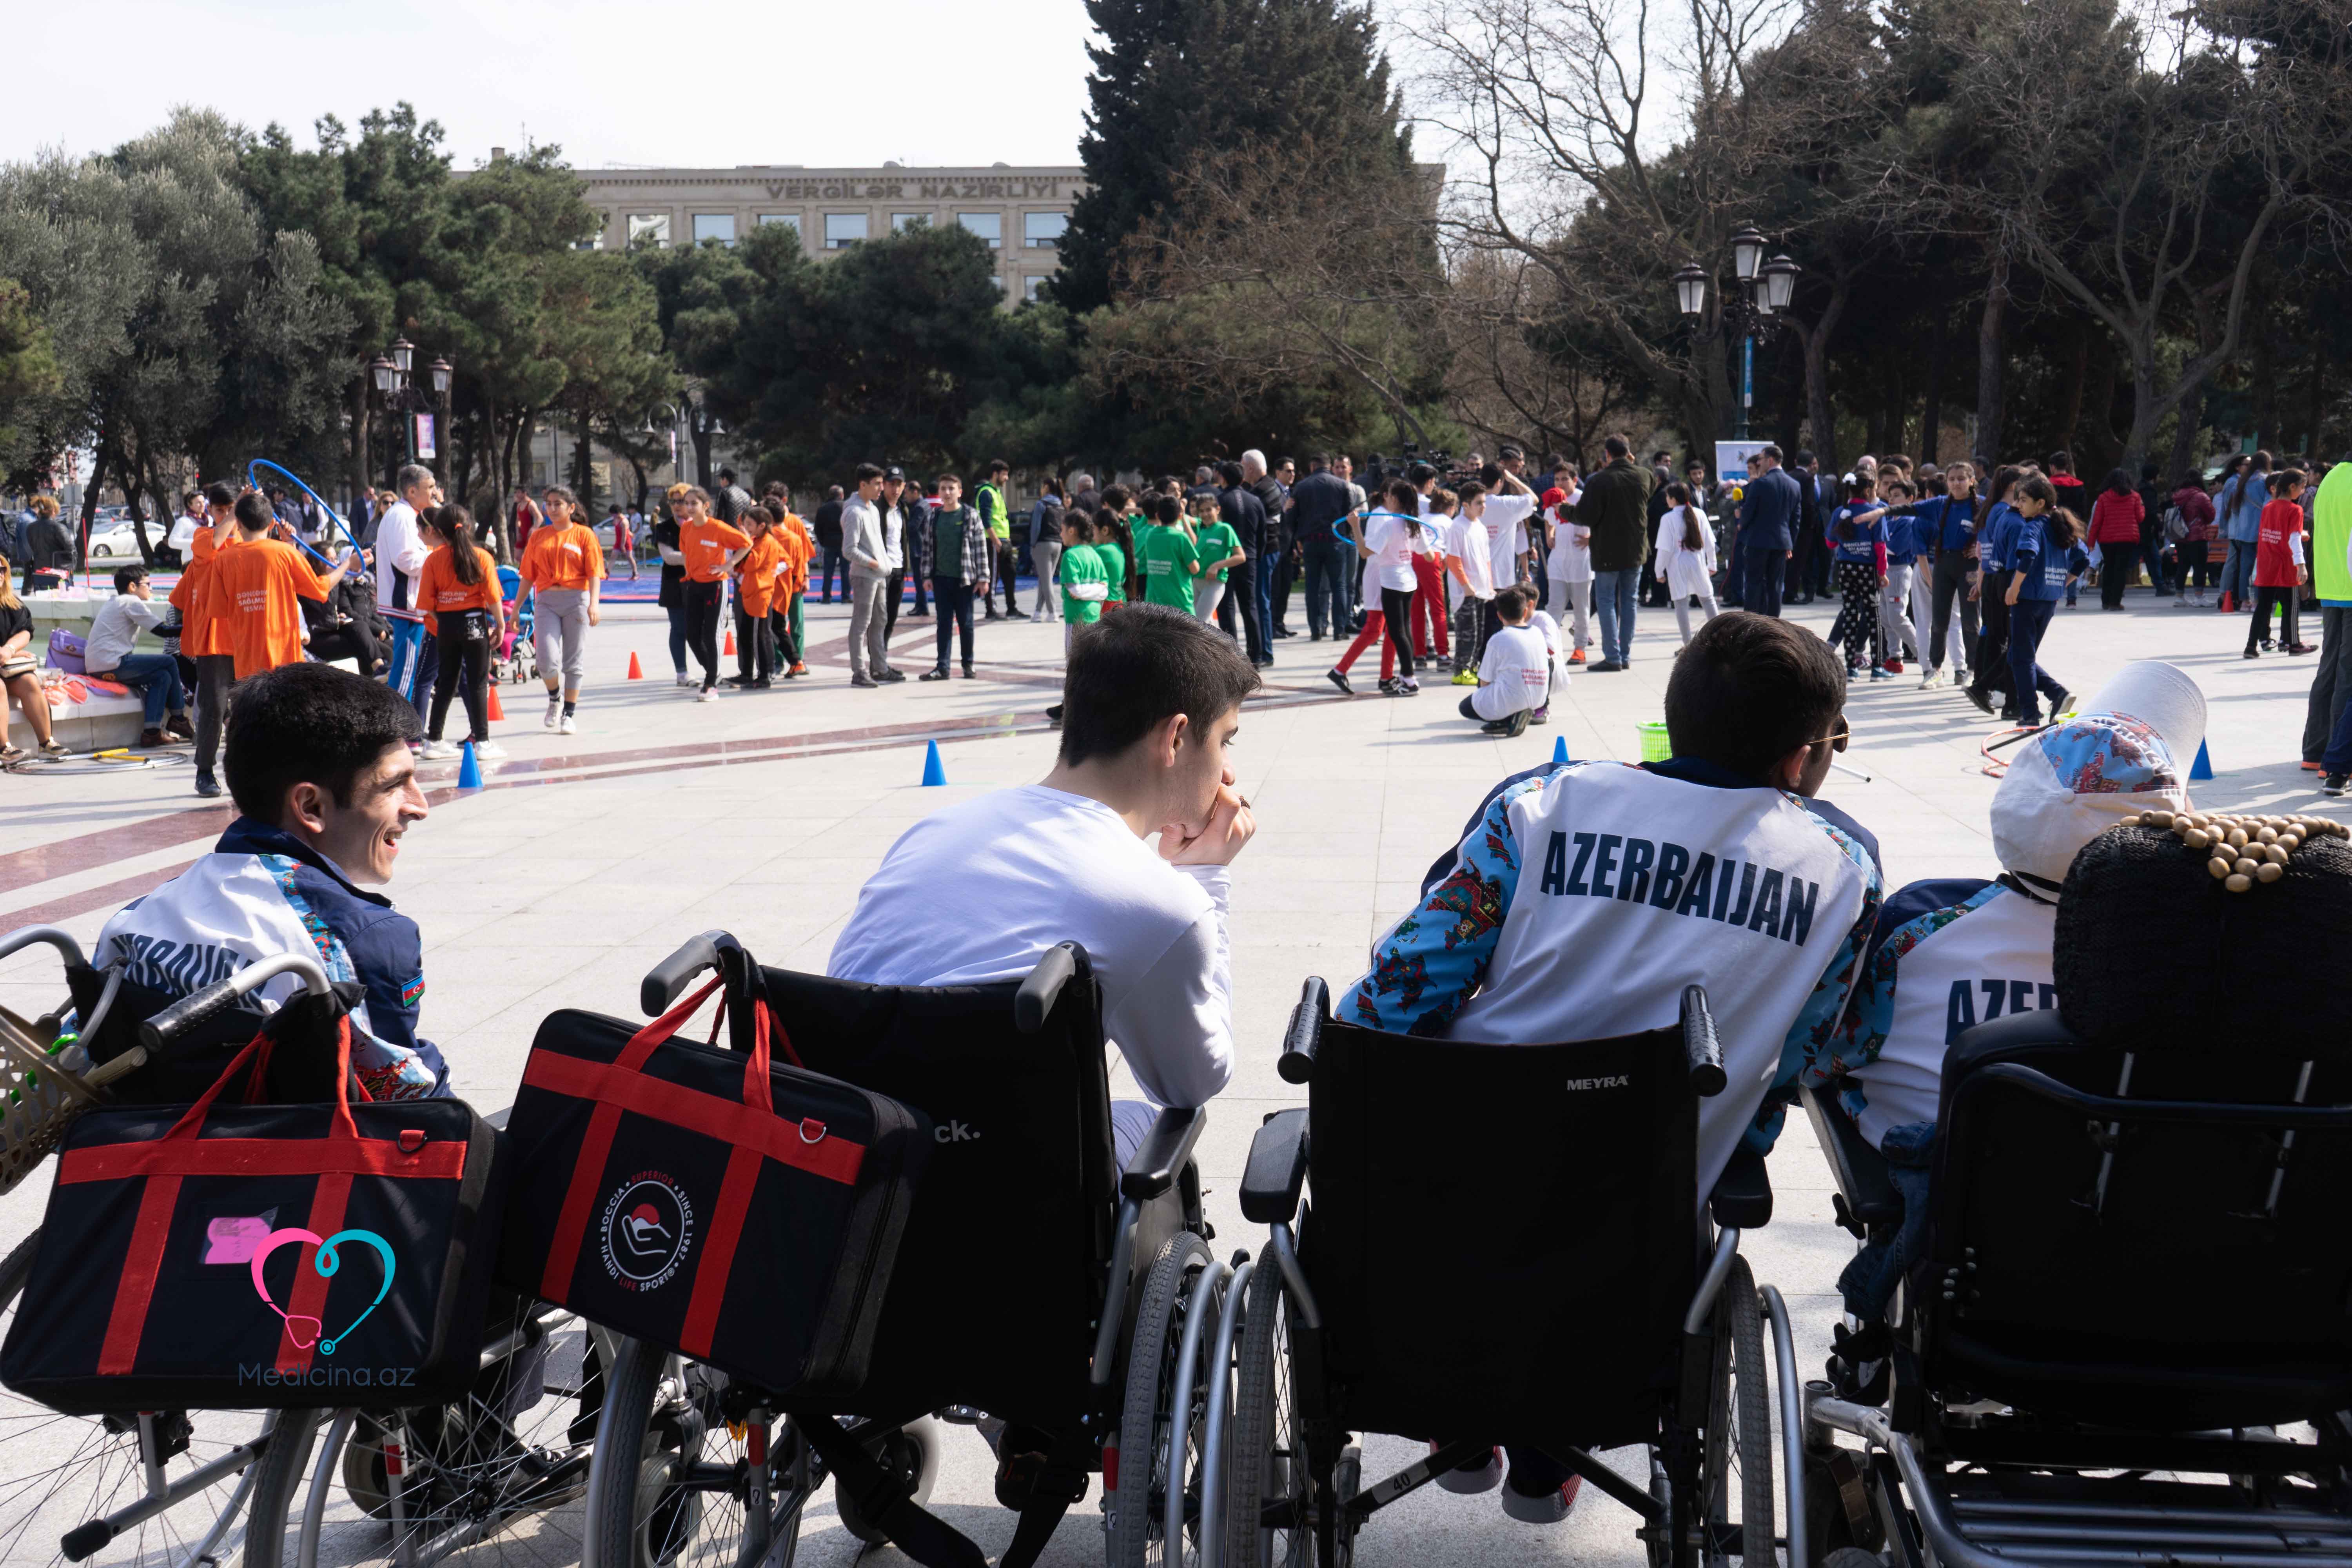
(1515, 671)
(1570, 567)
(1686, 556)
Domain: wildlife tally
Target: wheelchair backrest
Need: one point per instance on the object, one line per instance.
(1502, 1239)
(1001, 1272)
(2174, 1219)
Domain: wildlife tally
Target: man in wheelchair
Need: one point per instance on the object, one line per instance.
(1953, 952)
(1585, 896)
(325, 789)
(982, 890)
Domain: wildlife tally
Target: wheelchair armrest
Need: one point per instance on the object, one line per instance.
(1165, 1149)
(1742, 1199)
(1277, 1169)
(1043, 985)
(1859, 1170)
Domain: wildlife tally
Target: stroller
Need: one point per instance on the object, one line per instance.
(517, 658)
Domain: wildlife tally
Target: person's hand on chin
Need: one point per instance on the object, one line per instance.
(1216, 842)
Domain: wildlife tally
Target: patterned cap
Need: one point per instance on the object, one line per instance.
(2128, 751)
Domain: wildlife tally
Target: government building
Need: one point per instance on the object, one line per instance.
(1020, 212)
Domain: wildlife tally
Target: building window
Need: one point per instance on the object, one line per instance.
(842, 230)
(595, 239)
(790, 220)
(990, 226)
(720, 226)
(1032, 284)
(1043, 231)
(907, 220)
(648, 229)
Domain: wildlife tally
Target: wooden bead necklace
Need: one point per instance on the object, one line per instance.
(2243, 850)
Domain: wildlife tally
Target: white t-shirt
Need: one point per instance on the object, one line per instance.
(981, 889)
(116, 626)
(399, 556)
(1465, 540)
(1505, 518)
(1570, 560)
(1516, 673)
(1392, 546)
(182, 537)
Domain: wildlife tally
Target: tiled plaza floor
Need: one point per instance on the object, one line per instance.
(589, 856)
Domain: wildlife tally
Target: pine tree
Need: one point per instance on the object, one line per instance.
(1176, 80)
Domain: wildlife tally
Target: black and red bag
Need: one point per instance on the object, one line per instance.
(735, 1209)
(262, 1257)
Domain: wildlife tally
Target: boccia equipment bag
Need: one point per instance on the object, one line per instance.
(738, 1210)
(243, 1256)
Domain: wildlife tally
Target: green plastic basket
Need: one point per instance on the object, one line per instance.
(1656, 747)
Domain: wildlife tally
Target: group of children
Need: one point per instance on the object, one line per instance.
(1163, 546)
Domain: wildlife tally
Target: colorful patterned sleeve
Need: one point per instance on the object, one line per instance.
(1434, 959)
(1826, 1019)
(1864, 1034)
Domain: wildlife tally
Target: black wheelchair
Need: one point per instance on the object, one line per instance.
(1496, 1244)
(1074, 1352)
(2127, 1334)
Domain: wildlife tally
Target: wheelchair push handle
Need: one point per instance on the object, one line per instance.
(1700, 1046)
(666, 981)
(17, 941)
(1305, 1035)
(158, 1032)
(1034, 1002)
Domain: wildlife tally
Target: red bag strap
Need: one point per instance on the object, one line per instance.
(256, 1057)
(765, 1027)
(641, 1044)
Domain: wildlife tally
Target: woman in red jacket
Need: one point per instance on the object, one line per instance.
(2115, 528)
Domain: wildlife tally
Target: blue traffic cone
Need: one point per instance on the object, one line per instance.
(934, 772)
(469, 769)
(2202, 768)
(1559, 749)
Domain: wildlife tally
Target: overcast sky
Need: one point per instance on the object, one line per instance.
(710, 84)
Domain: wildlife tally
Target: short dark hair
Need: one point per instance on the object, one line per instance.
(1804, 457)
(1617, 447)
(1750, 689)
(726, 474)
(1170, 512)
(868, 472)
(308, 723)
(126, 575)
(2062, 462)
(1421, 474)
(1771, 450)
(1319, 460)
(833, 493)
(218, 494)
(1512, 450)
(253, 511)
(1513, 602)
(1230, 471)
(947, 479)
(999, 465)
(1133, 670)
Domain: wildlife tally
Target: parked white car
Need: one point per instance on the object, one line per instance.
(119, 540)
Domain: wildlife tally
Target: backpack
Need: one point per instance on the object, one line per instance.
(2176, 527)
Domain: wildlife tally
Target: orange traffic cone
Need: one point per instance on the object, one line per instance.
(728, 651)
(636, 670)
(497, 711)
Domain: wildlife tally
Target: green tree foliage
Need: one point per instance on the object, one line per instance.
(29, 375)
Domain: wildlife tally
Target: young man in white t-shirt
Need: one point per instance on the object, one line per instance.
(1515, 673)
(1151, 701)
(1470, 562)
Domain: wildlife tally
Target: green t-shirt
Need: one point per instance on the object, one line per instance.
(1114, 565)
(1219, 542)
(1168, 564)
(1080, 564)
(947, 542)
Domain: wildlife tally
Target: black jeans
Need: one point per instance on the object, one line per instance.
(890, 598)
(834, 561)
(1949, 586)
(1396, 609)
(1992, 647)
(755, 646)
(351, 640)
(1241, 585)
(2288, 600)
(953, 598)
(2115, 564)
(465, 649)
(216, 673)
(701, 608)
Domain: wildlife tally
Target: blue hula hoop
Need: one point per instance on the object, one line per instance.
(252, 478)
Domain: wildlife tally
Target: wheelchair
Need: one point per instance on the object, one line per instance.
(1076, 1355)
(2124, 1338)
(1484, 1244)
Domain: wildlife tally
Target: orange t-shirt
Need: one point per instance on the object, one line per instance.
(791, 536)
(755, 575)
(251, 594)
(198, 636)
(705, 546)
(438, 592)
(562, 558)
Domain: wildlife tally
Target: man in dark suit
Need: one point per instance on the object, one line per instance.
(1240, 507)
(1318, 504)
(1769, 516)
(1810, 519)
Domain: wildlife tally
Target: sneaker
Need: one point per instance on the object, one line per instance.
(1932, 680)
(761, 684)
(1576, 657)
(938, 674)
(1859, 1362)
(1388, 686)
(1408, 686)
(1880, 672)
(2250, 653)
(1541, 715)
(554, 713)
(708, 694)
(684, 678)
(1548, 1507)
(797, 669)
(1465, 678)
(865, 680)
(1981, 697)
(209, 786)
(438, 750)
(566, 726)
(1470, 1479)
(2315, 768)
(2180, 601)
(1894, 667)
(1515, 725)
(737, 681)
(1607, 667)
(2332, 784)
(890, 677)
(178, 724)
(488, 751)
(1339, 679)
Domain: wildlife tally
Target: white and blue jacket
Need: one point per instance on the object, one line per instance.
(263, 891)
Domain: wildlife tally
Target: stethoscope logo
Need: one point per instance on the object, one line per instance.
(301, 1328)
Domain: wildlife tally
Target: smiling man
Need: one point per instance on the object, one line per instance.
(325, 790)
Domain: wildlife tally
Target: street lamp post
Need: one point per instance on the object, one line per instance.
(1764, 289)
(396, 389)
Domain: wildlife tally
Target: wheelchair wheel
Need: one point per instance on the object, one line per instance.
(1264, 1463)
(66, 1474)
(911, 1452)
(1737, 1457)
(689, 1474)
(490, 1480)
(1150, 1464)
